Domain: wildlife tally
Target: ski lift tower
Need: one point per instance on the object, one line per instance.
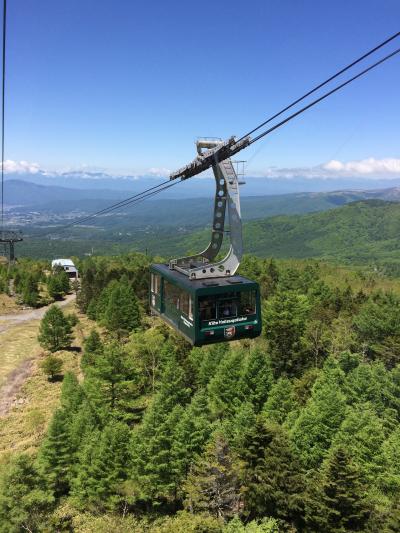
(8, 238)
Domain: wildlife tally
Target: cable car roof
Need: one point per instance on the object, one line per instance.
(233, 282)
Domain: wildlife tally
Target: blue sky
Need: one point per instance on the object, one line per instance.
(127, 86)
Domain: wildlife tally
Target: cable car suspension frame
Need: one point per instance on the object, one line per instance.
(216, 153)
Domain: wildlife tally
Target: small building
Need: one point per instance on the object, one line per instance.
(67, 265)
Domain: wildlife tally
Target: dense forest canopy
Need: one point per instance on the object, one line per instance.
(298, 430)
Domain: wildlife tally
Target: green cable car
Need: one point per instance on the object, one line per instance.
(199, 296)
(206, 311)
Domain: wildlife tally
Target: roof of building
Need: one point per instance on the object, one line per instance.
(62, 262)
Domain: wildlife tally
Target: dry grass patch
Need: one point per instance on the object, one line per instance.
(8, 305)
(23, 428)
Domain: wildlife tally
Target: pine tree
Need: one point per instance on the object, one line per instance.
(191, 433)
(272, 478)
(55, 459)
(122, 313)
(71, 394)
(285, 322)
(58, 284)
(322, 416)
(338, 502)
(225, 388)
(257, 378)
(24, 499)
(236, 428)
(390, 478)
(51, 366)
(112, 377)
(30, 293)
(362, 434)
(280, 401)
(205, 361)
(102, 466)
(55, 332)
(213, 482)
(156, 467)
(93, 347)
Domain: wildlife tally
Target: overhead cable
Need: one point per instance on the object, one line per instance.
(3, 86)
(329, 93)
(320, 85)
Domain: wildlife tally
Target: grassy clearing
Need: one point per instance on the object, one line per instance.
(23, 428)
(8, 305)
(17, 344)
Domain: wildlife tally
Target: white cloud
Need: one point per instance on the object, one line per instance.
(370, 168)
(158, 171)
(365, 167)
(20, 167)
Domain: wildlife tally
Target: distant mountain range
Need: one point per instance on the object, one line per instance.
(200, 186)
(25, 200)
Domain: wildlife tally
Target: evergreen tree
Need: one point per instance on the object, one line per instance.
(55, 332)
(236, 428)
(30, 293)
(320, 419)
(86, 421)
(272, 478)
(213, 482)
(280, 401)
(390, 479)
(51, 366)
(71, 394)
(58, 284)
(285, 322)
(257, 378)
(362, 434)
(55, 459)
(191, 433)
(24, 500)
(156, 465)
(371, 382)
(338, 502)
(155, 468)
(122, 313)
(102, 466)
(224, 389)
(205, 361)
(93, 347)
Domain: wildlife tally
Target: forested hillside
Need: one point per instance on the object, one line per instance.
(298, 431)
(360, 233)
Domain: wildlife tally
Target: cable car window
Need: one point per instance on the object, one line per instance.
(248, 302)
(155, 283)
(227, 308)
(207, 307)
(185, 303)
(172, 294)
(190, 307)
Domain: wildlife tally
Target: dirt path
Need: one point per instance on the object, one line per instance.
(15, 380)
(18, 351)
(10, 320)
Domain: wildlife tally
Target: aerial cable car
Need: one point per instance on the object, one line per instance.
(201, 298)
